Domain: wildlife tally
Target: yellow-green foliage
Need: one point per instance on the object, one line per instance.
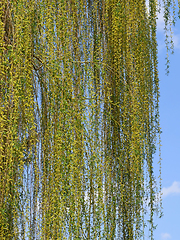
(79, 118)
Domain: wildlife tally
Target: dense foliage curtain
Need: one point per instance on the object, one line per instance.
(79, 118)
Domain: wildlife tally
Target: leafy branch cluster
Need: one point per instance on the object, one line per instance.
(79, 118)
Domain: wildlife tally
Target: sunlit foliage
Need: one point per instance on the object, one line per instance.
(79, 118)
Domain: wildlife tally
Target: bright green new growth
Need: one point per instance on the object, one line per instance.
(79, 118)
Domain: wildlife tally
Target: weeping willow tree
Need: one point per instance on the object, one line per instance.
(79, 118)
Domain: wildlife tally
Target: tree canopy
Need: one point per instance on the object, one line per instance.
(79, 118)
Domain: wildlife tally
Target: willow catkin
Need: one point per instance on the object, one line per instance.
(79, 118)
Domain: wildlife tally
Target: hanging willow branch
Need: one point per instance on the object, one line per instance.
(79, 118)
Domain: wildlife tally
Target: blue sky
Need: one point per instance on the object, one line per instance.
(169, 224)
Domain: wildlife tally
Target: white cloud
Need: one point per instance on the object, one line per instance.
(147, 6)
(160, 20)
(176, 40)
(174, 188)
(165, 236)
